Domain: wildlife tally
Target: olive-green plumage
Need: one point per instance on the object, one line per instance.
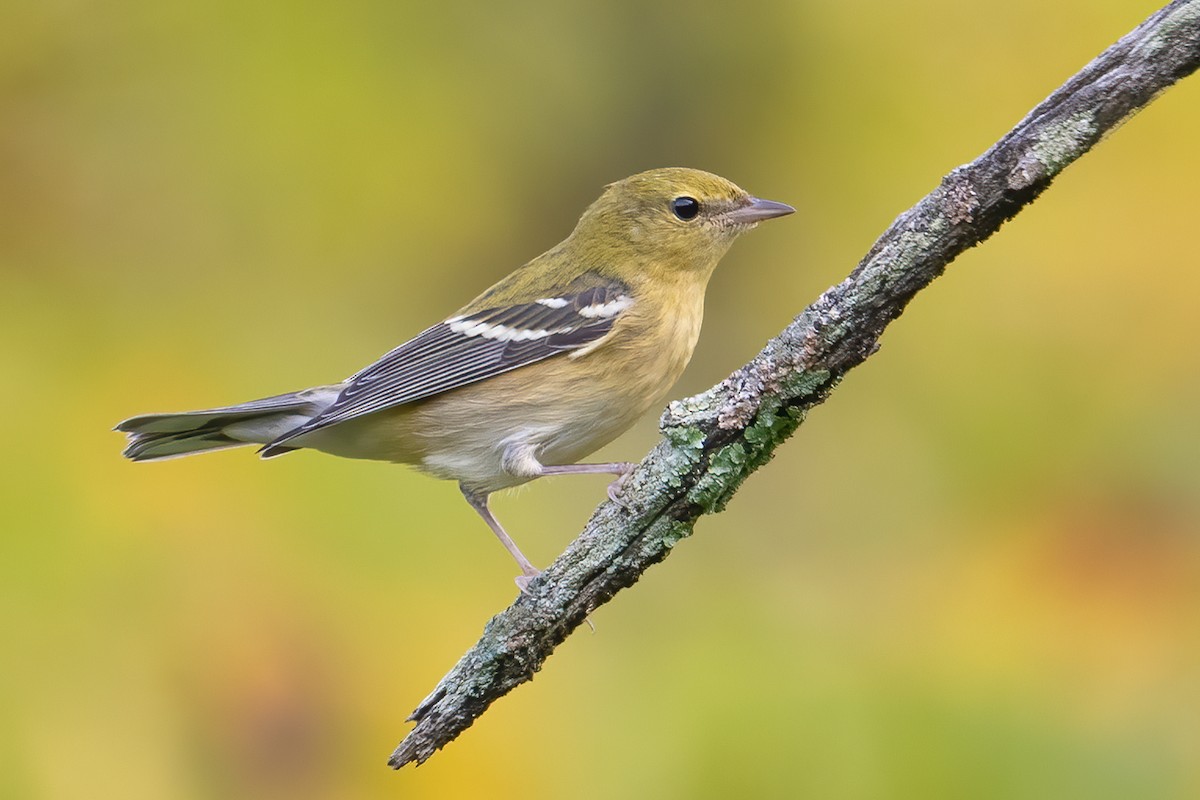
(548, 365)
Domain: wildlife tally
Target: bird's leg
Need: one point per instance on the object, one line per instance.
(619, 468)
(479, 502)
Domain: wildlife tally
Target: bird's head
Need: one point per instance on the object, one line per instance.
(675, 219)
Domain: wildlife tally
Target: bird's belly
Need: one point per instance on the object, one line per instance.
(489, 444)
(510, 453)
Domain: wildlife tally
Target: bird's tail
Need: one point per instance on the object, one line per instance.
(159, 436)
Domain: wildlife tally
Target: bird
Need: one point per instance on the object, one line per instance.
(542, 369)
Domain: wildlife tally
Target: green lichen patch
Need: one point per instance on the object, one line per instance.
(803, 384)
(685, 437)
(726, 470)
(730, 465)
(676, 533)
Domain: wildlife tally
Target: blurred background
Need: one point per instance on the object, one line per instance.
(975, 572)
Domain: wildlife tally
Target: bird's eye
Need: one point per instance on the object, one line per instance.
(685, 207)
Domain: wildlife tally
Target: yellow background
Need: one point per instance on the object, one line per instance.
(974, 573)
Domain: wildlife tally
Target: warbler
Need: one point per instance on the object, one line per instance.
(545, 367)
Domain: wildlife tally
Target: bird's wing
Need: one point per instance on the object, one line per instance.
(472, 347)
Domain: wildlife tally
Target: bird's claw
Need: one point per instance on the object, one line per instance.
(616, 489)
(522, 581)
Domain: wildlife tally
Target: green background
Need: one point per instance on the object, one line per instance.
(975, 572)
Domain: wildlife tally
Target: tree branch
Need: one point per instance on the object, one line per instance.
(712, 441)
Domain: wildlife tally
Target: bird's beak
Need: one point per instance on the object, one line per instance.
(756, 210)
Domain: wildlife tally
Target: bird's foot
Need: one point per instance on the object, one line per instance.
(616, 489)
(522, 581)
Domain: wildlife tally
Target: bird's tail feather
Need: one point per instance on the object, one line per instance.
(159, 436)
